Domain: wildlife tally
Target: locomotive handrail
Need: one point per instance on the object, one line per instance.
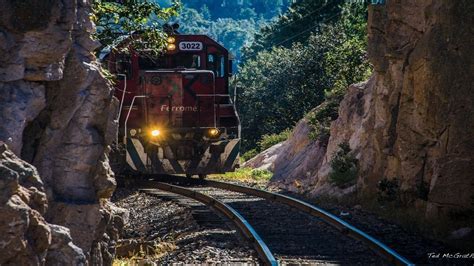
(128, 115)
(123, 95)
(245, 228)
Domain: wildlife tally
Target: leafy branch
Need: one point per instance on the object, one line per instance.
(139, 20)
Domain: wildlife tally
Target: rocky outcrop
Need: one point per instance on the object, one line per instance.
(27, 238)
(266, 159)
(424, 96)
(413, 120)
(56, 112)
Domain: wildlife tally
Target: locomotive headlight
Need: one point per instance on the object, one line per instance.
(133, 132)
(213, 132)
(155, 133)
(171, 47)
(171, 39)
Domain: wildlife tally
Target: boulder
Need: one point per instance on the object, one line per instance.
(26, 238)
(266, 159)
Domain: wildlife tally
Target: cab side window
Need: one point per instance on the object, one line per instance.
(123, 65)
(215, 63)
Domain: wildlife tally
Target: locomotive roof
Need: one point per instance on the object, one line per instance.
(106, 50)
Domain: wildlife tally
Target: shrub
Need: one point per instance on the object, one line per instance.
(245, 174)
(388, 190)
(344, 167)
(272, 139)
(320, 118)
(258, 174)
(249, 155)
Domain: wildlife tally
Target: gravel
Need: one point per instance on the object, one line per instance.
(411, 244)
(183, 231)
(294, 237)
(192, 234)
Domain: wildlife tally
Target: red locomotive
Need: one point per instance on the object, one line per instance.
(176, 113)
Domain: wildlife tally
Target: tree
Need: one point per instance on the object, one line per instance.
(296, 25)
(126, 17)
(206, 14)
(281, 85)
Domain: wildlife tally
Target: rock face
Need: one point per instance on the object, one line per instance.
(413, 120)
(266, 159)
(27, 238)
(56, 112)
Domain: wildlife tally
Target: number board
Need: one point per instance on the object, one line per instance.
(190, 46)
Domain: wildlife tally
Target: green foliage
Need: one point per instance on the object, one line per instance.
(109, 76)
(279, 86)
(233, 33)
(296, 25)
(232, 23)
(266, 142)
(115, 19)
(388, 190)
(234, 8)
(344, 167)
(272, 139)
(249, 154)
(258, 174)
(319, 119)
(245, 174)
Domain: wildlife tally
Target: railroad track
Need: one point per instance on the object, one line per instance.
(283, 229)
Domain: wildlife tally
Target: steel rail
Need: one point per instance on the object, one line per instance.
(386, 252)
(245, 228)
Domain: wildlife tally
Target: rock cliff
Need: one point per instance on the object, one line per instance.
(56, 112)
(413, 121)
(27, 238)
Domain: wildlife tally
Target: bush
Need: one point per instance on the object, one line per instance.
(245, 174)
(388, 190)
(266, 142)
(261, 174)
(320, 118)
(344, 167)
(249, 155)
(272, 139)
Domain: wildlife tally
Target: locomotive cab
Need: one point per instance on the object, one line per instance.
(176, 115)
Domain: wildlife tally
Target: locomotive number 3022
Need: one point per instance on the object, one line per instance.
(190, 46)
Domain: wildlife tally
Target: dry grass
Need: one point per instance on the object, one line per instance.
(144, 254)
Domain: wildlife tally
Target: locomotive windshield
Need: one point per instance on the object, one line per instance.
(175, 61)
(150, 63)
(186, 61)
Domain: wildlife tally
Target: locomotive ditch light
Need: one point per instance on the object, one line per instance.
(213, 132)
(155, 132)
(171, 47)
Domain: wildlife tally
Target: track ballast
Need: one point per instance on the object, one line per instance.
(283, 228)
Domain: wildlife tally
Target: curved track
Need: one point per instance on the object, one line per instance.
(245, 228)
(292, 228)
